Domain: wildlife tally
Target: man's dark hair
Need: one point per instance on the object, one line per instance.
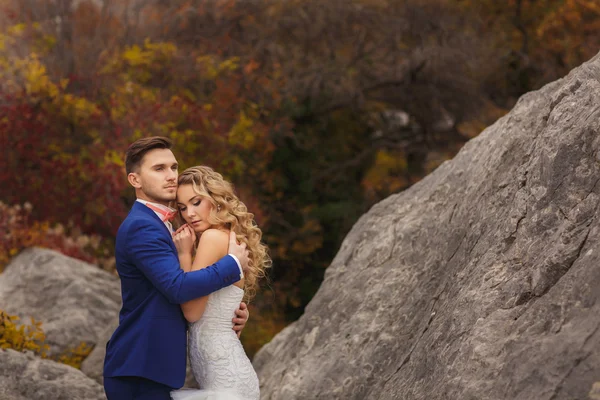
(138, 149)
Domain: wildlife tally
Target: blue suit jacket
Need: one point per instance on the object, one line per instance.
(151, 340)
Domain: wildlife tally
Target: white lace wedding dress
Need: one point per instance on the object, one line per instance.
(219, 362)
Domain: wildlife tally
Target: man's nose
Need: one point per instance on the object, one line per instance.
(172, 175)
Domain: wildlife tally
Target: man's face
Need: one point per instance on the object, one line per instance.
(157, 176)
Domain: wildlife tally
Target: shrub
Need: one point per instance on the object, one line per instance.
(22, 337)
(32, 338)
(18, 231)
(75, 356)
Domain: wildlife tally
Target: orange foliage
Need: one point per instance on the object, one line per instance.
(287, 99)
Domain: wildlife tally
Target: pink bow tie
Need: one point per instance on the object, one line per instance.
(166, 215)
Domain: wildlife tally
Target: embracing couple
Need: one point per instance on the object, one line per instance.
(195, 276)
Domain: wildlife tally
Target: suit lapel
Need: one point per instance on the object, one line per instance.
(140, 208)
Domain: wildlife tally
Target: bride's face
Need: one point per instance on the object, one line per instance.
(193, 208)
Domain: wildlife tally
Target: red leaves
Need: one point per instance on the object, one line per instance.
(63, 176)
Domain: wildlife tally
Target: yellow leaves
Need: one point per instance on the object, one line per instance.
(76, 108)
(75, 356)
(22, 337)
(189, 95)
(117, 112)
(386, 173)
(241, 133)
(35, 77)
(186, 139)
(140, 63)
(17, 30)
(211, 68)
(388, 161)
(163, 49)
(3, 40)
(47, 42)
(22, 34)
(150, 54)
(30, 74)
(114, 157)
(144, 94)
(128, 97)
(134, 56)
(230, 64)
(31, 337)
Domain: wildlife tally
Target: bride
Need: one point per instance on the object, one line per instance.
(210, 209)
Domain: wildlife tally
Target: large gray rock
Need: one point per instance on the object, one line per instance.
(482, 281)
(74, 300)
(93, 365)
(25, 377)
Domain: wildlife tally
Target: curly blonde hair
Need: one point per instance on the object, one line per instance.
(230, 212)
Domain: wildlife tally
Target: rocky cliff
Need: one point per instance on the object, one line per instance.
(481, 281)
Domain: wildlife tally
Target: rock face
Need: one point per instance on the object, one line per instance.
(74, 300)
(25, 377)
(93, 365)
(482, 281)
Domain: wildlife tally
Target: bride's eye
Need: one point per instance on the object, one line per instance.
(196, 203)
(182, 209)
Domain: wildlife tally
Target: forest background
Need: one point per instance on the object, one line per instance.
(315, 109)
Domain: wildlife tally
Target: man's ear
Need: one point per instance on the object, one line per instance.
(134, 180)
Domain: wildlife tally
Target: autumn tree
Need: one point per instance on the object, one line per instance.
(314, 109)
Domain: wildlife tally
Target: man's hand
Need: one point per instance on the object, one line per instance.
(239, 321)
(238, 250)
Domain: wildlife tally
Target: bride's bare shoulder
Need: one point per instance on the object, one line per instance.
(214, 237)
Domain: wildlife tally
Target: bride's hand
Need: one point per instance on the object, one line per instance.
(184, 239)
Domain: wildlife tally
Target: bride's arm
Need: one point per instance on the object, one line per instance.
(212, 247)
(185, 261)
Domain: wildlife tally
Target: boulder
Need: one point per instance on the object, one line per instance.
(93, 365)
(24, 376)
(481, 281)
(74, 300)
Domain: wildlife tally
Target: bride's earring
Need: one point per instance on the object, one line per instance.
(218, 207)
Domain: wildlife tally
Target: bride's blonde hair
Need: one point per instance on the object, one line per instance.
(230, 212)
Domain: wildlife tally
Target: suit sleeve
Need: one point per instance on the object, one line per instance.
(151, 252)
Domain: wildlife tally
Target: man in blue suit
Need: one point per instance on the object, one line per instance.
(146, 355)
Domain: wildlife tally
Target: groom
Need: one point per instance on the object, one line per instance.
(146, 355)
